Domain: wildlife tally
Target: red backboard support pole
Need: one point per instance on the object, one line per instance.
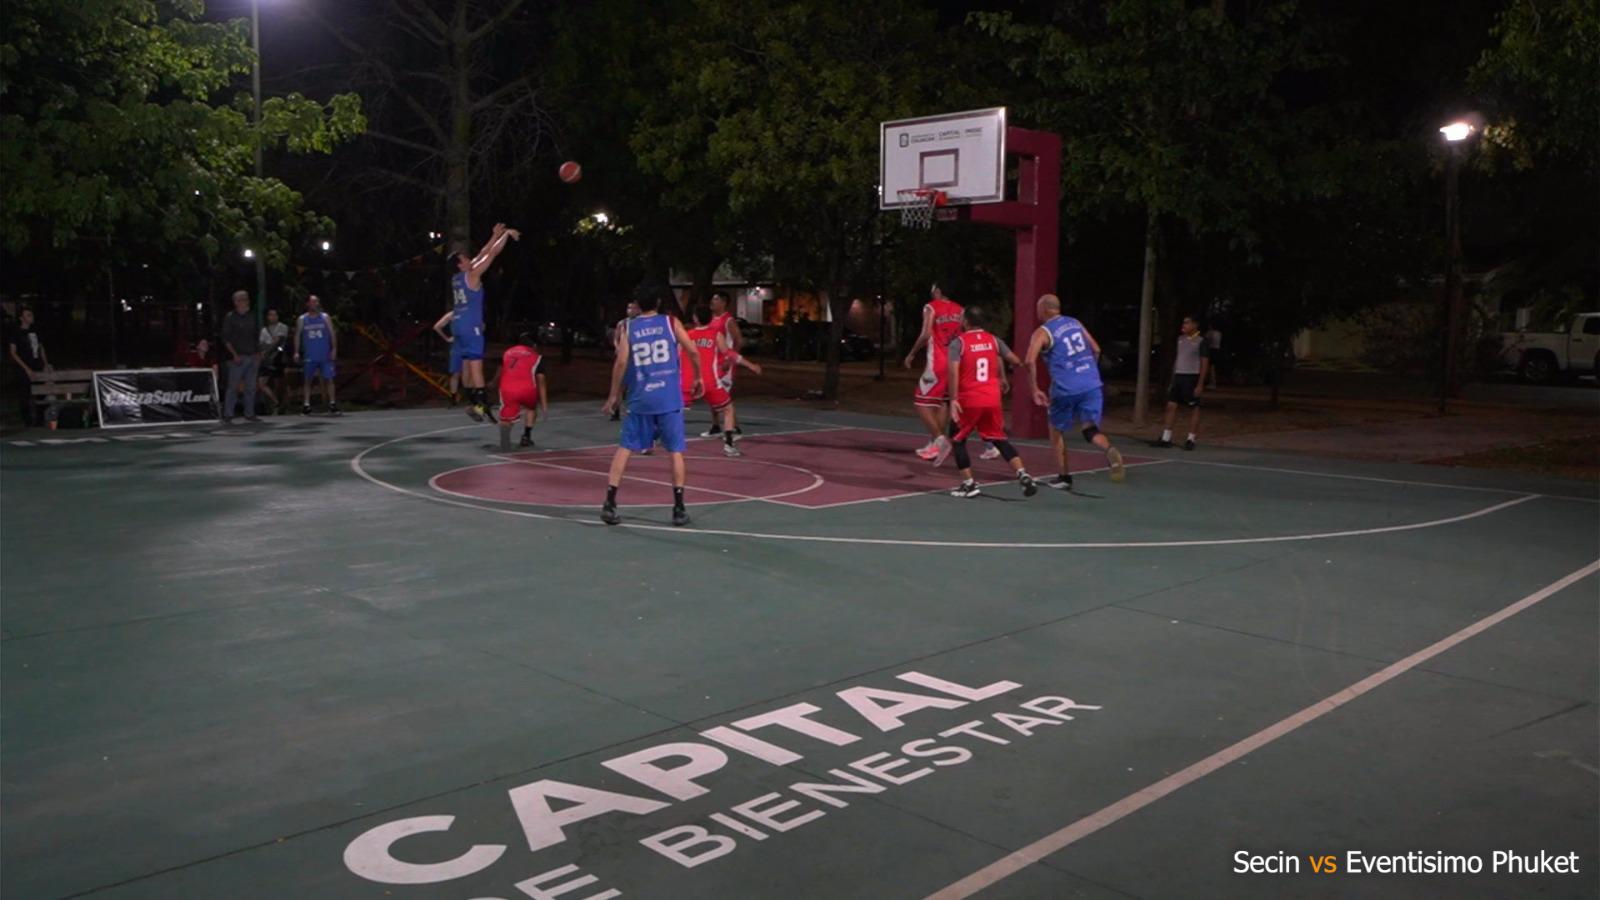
(1035, 216)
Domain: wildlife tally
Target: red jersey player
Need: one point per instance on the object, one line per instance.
(521, 385)
(717, 362)
(724, 323)
(941, 323)
(976, 375)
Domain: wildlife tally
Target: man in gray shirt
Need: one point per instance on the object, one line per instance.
(1188, 381)
(244, 356)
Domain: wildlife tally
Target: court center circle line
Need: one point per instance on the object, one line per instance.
(433, 483)
(357, 467)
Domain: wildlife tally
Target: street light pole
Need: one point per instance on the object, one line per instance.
(255, 88)
(1455, 307)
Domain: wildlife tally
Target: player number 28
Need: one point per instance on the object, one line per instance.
(653, 352)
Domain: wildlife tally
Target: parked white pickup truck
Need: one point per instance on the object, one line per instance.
(1542, 356)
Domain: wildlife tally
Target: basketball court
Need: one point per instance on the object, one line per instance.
(373, 657)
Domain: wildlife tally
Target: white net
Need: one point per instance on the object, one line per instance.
(917, 211)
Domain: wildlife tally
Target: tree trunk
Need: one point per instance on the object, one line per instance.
(839, 307)
(1168, 309)
(1141, 399)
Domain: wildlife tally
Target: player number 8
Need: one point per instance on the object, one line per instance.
(983, 369)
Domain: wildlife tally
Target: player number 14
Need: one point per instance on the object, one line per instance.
(653, 352)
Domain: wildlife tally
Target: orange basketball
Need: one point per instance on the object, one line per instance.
(570, 172)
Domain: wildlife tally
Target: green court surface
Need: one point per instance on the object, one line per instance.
(371, 657)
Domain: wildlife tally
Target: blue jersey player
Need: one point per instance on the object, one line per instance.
(316, 347)
(650, 348)
(466, 317)
(1073, 360)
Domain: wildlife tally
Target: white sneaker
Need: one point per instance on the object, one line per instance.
(967, 490)
(1119, 472)
(992, 453)
(928, 450)
(730, 450)
(941, 451)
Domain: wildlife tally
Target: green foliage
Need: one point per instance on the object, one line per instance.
(1164, 105)
(1543, 82)
(121, 119)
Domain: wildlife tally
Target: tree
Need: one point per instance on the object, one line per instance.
(1168, 108)
(1543, 81)
(458, 106)
(122, 122)
(788, 97)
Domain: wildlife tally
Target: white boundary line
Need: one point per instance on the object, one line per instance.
(1432, 484)
(356, 466)
(982, 484)
(433, 483)
(1020, 859)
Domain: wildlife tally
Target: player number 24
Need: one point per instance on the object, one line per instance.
(653, 352)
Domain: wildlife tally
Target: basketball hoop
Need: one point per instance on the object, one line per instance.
(918, 205)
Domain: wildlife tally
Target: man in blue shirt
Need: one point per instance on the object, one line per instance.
(466, 316)
(1075, 396)
(316, 343)
(649, 351)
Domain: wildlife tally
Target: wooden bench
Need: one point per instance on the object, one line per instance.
(56, 388)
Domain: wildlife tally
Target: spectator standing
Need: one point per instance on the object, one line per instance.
(27, 352)
(239, 338)
(272, 381)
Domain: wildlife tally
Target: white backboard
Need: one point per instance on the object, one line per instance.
(962, 154)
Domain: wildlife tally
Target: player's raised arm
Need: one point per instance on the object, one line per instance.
(444, 320)
(1036, 346)
(735, 355)
(922, 339)
(692, 354)
(497, 242)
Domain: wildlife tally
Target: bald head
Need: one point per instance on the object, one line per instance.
(1049, 306)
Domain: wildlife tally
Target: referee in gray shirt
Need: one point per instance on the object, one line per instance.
(1189, 371)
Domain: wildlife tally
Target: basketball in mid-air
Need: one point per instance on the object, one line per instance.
(570, 172)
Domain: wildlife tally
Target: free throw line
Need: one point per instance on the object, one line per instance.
(1038, 850)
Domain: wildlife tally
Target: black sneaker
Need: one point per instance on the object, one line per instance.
(1161, 443)
(1029, 486)
(609, 514)
(713, 432)
(475, 413)
(305, 410)
(527, 441)
(252, 418)
(1188, 445)
(680, 516)
(1060, 483)
(333, 410)
(227, 420)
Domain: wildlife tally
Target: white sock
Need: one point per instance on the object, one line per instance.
(1191, 435)
(1166, 434)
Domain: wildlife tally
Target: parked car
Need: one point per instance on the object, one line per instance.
(1543, 356)
(856, 347)
(751, 334)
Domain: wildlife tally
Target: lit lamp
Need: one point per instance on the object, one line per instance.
(1454, 134)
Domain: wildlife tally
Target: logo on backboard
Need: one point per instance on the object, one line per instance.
(905, 140)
